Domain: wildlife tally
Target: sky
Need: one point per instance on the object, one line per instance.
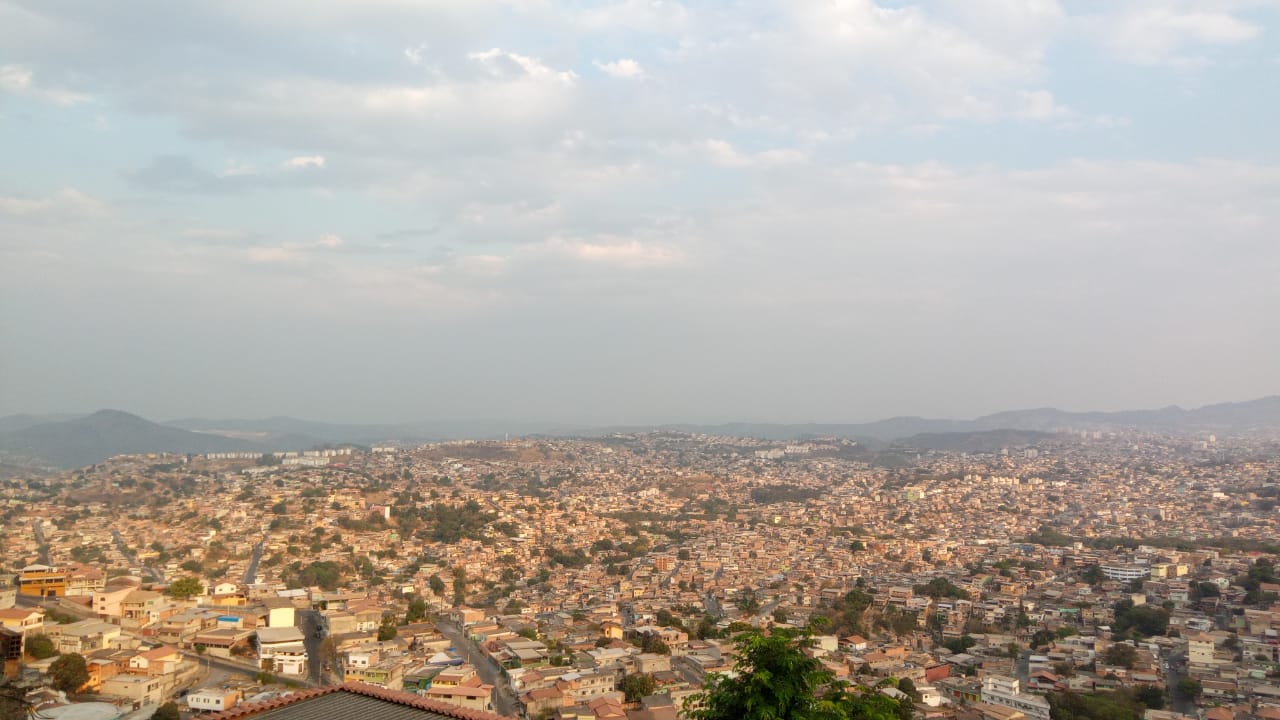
(637, 211)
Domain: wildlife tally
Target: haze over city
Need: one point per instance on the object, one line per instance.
(638, 211)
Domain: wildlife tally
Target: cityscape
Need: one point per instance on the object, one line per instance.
(640, 360)
(509, 577)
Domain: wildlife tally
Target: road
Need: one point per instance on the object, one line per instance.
(312, 636)
(504, 700)
(156, 574)
(1173, 673)
(251, 572)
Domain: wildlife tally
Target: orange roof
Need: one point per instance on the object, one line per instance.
(404, 699)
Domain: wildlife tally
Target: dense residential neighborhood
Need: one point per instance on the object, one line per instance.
(608, 578)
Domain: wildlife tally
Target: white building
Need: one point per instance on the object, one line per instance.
(1125, 572)
(214, 699)
(285, 647)
(1006, 691)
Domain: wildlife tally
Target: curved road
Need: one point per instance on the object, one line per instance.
(504, 700)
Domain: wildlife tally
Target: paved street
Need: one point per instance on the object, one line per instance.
(504, 700)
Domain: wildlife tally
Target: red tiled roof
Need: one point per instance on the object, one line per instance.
(373, 691)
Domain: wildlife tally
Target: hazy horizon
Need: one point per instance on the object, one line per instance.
(605, 424)
(637, 212)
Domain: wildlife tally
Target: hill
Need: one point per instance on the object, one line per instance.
(87, 440)
(977, 441)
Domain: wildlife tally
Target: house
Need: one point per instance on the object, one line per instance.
(353, 700)
(42, 581)
(140, 689)
(214, 699)
(853, 644)
(472, 697)
(285, 648)
(85, 636)
(107, 601)
(280, 612)
(23, 620)
(160, 661)
(140, 608)
(11, 642)
(1006, 692)
(84, 580)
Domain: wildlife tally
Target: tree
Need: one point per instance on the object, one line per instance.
(636, 686)
(387, 629)
(1188, 688)
(41, 647)
(436, 585)
(184, 588)
(69, 672)
(167, 711)
(1150, 696)
(1120, 655)
(417, 610)
(907, 686)
(778, 681)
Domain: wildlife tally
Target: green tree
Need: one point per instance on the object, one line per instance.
(167, 711)
(417, 610)
(636, 686)
(184, 588)
(1152, 697)
(1120, 655)
(1188, 688)
(69, 672)
(436, 584)
(387, 629)
(778, 681)
(41, 647)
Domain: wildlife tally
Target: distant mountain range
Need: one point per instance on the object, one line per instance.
(73, 441)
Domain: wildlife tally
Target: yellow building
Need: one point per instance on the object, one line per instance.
(42, 581)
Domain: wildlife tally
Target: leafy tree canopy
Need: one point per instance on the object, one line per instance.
(777, 681)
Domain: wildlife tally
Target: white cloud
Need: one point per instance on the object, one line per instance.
(68, 202)
(305, 161)
(1040, 105)
(329, 241)
(1169, 32)
(724, 154)
(619, 251)
(622, 68)
(14, 78)
(18, 80)
(502, 64)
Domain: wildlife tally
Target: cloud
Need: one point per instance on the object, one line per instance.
(305, 161)
(1040, 105)
(329, 241)
(625, 68)
(617, 251)
(502, 64)
(1171, 32)
(724, 154)
(18, 80)
(69, 202)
